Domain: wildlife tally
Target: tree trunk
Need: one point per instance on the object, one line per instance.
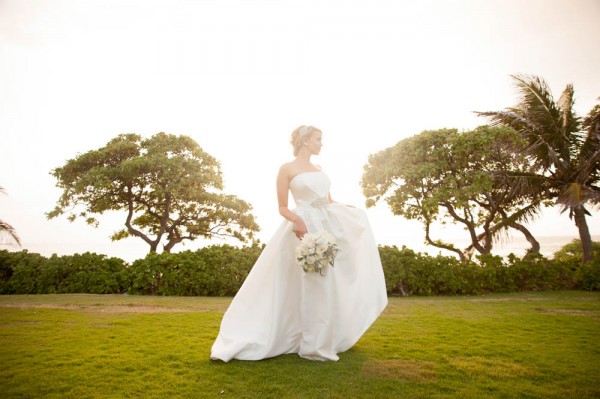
(153, 243)
(475, 245)
(584, 233)
(170, 244)
(153, 247)
(467, 221)
(439, 244)
(535, 245)
(488, 242)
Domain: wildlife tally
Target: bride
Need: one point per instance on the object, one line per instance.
(282, 309)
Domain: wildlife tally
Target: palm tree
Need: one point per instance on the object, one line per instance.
(564, 147)
(7, 228)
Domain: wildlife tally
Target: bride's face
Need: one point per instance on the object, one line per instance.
(314, 143)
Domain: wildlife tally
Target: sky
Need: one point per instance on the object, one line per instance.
(239, 76)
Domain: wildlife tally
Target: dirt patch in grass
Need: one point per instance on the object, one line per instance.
(103, 308)
(505, 299)
(484, 367)
(571, 312)
(410, 370)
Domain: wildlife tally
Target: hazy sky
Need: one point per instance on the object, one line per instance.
(239, 76)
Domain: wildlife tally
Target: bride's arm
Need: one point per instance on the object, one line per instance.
(283, 187)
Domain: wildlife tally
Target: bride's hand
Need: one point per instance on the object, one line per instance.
(300, 228)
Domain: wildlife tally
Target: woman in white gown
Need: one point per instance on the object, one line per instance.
(280, 308)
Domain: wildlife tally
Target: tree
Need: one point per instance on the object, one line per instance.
(564, 147)
(6, 228)
(167, 185)
(444, 176)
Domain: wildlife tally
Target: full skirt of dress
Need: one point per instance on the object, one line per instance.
(280, 309)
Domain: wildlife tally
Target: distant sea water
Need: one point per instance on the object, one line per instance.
(548, 245)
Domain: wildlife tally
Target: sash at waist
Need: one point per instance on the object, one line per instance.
(318, 203)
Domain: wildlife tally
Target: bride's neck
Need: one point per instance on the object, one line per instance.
(303, 158)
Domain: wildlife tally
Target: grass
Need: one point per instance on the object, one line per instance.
(527, 345)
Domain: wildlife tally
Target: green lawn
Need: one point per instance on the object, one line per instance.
(527, 345)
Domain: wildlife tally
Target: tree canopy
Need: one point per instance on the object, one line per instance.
(446, 176)
(168, 187)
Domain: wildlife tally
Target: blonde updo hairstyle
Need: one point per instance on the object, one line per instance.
(300, 135)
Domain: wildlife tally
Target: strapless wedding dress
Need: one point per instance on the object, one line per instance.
(280, 309)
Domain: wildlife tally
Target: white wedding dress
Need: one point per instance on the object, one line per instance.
(281, 309)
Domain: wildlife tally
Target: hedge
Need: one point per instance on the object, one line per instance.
(30, 273)
(220, 270)
(211, 271)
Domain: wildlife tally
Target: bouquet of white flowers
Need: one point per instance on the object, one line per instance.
(316, 251)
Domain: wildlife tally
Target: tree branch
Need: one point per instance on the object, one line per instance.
(440, 244)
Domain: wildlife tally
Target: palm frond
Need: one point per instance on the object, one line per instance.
(542, 150)
(549, 129)
(7, 228)
(592, 120)
(575, 195)
(588, 171)
(525, 214)
(511, 117)
(521, 184)
(556, 122)
(591, 125)
(536, 101)
(570, 122)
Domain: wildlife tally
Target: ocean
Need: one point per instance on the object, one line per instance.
(548, 246)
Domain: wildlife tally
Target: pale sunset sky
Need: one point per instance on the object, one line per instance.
(239, 76)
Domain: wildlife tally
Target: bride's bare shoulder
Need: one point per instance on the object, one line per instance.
(286, 170)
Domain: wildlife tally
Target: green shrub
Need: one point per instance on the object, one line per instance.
(6, 270)
(211, 271)
(220, 270)
(586, 276)
(396, 264)
(23, 268)
(32, 273)
(91, 273)
(410, 273)
(572, 252)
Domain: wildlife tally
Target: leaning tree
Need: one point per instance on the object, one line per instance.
(564, 147)
(169, 189)
(445, 176)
